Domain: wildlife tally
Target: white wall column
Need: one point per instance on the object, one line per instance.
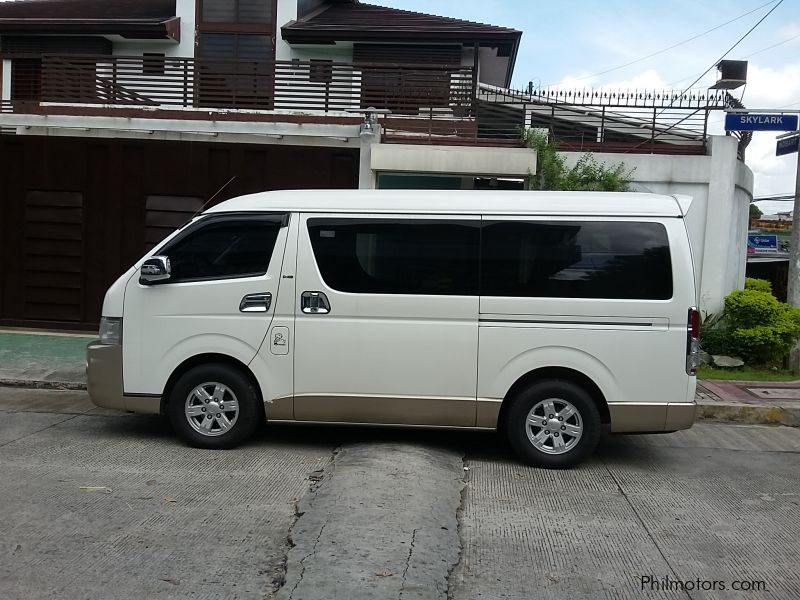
(6, 87)
(724, 252)
(185, 9)
(367, 178)
(287, 11)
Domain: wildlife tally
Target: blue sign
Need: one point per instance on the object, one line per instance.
(787, 145)
(744, 122)
(762, 243)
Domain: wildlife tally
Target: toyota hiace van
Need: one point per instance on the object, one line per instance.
(550, 316)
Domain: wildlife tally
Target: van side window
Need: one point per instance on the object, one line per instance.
(223, 249)
(397, 256)
(598, 259)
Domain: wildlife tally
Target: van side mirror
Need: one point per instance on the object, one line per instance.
(154, 269)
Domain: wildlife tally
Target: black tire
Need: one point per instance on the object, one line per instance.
(576, 448)
(218, 381)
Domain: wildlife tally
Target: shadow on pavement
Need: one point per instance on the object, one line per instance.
(476, 445)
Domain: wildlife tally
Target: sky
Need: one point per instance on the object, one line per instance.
(567, 42)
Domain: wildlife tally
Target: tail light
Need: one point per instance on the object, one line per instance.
(693, 341)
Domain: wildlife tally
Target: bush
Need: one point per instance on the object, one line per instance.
(754, 326)
(588, 174)
(758, 285)
(751, 308)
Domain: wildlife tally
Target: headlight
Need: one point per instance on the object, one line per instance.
(111, 330)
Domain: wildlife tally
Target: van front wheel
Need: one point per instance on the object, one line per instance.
(213, 406)
(553, 424)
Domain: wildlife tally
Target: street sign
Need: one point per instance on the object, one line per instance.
(762, 243)
(787, 145)
(764, 122)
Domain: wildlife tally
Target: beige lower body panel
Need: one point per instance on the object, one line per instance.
(279, 409)
(640, 417)
(409, 410)
(488, 412)
(627, 417)
(104, 381)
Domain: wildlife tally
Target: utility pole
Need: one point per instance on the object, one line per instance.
(793, 287)
(793, 295)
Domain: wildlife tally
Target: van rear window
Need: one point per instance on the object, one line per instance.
(577, 259)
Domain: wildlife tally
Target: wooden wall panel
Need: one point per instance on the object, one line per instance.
(75, 213)
(53, 260)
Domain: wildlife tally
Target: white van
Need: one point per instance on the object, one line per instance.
(547, 315)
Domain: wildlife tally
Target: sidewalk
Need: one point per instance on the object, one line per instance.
(58, 361)
(47, 360)
(756, 402)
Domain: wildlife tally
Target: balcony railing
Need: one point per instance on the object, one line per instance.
(310, 85)
(433, 104)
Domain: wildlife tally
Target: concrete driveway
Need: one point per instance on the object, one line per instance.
(98, 504)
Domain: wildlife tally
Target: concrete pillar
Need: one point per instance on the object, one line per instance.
(185, 9)
(287, 11)
(6, 84)
(367, 179)
(724, 253)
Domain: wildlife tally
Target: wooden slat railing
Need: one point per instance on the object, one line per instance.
(267, 85)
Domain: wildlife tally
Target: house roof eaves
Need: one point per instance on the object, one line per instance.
(131, 29)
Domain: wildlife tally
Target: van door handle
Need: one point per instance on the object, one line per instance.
(259, 302)
(315, 303)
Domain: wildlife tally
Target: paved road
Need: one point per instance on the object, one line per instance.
(98, 504)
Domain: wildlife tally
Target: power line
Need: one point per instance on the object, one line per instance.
(715, 63)
(739, 41)
(794, 37)
(667, 49)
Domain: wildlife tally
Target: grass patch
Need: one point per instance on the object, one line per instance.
(745, 374)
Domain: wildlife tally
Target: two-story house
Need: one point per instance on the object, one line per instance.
(122, 119)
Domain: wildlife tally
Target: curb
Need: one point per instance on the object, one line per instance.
(749, 414)
(746, 414)
(43, 385)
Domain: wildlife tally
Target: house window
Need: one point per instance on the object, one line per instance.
(233, 46)
(237, 11)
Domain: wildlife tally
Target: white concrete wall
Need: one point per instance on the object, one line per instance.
(185, 9)
(287, 11)
(452, 160)
(5, 87)
(722, 188)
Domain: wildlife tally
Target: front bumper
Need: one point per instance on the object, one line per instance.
(104, 381)
(104, 375)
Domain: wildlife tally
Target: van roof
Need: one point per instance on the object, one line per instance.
(628, 204)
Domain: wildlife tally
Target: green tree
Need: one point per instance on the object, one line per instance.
(588, 174)
(755, 212)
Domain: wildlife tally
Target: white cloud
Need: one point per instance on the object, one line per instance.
(646, 80)
(789, 31)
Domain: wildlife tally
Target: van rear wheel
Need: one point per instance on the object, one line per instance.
(553, 424)
(213, 406)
